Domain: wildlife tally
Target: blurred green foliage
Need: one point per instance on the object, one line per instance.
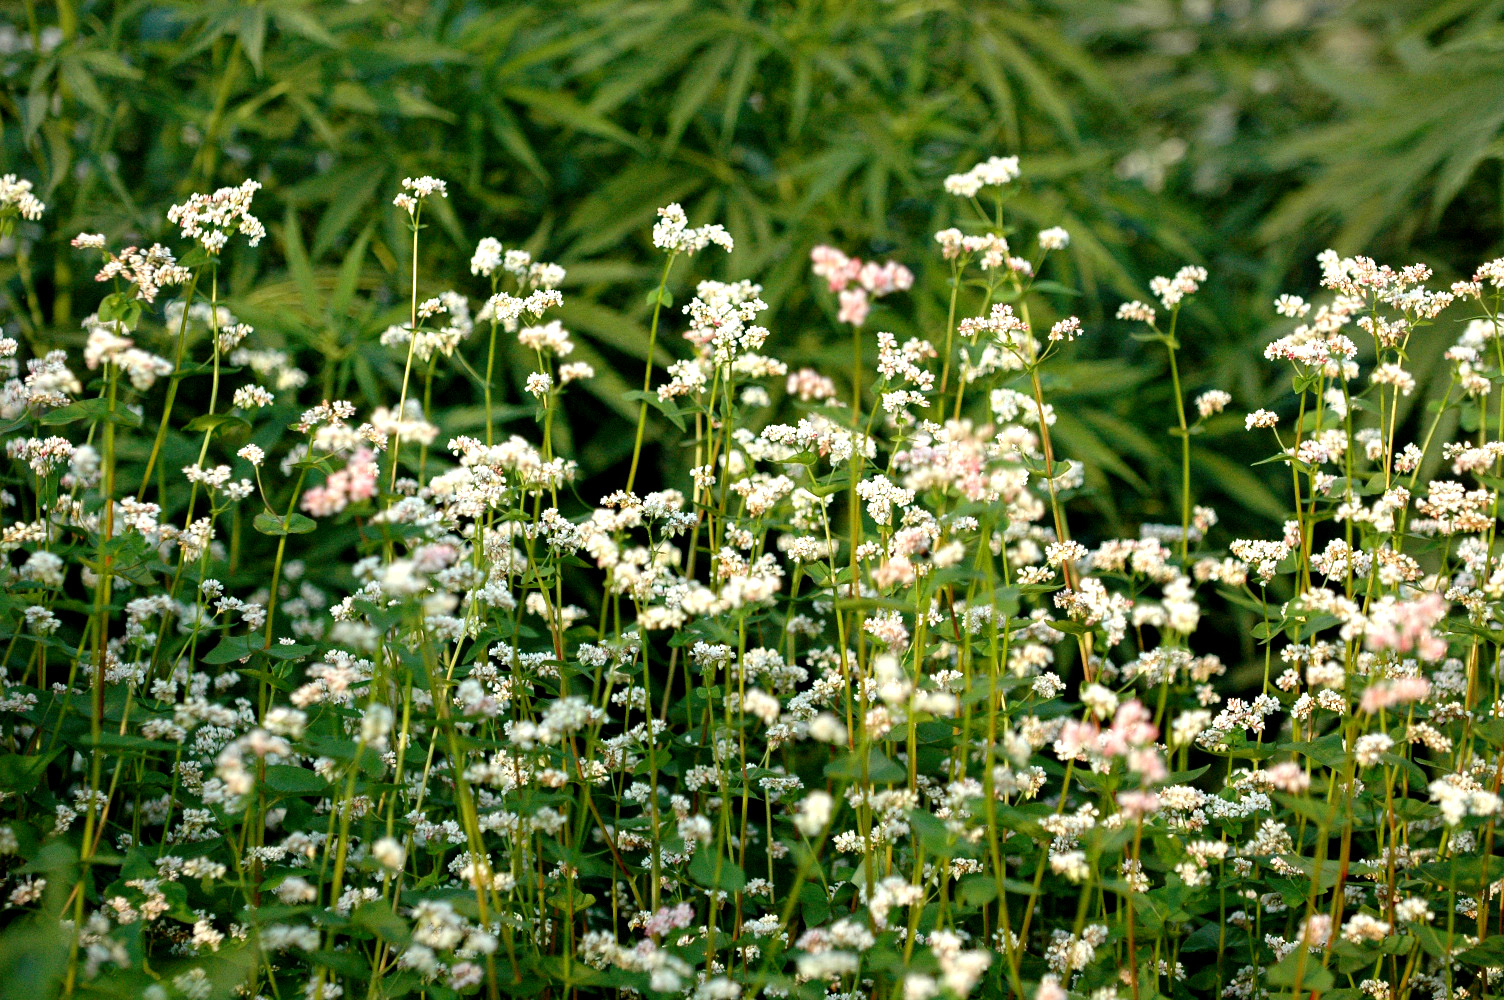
(1242, 134)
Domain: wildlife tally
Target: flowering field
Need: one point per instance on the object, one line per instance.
(307, 694)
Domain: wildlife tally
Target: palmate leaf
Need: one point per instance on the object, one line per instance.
(571, 114)
(695, 90)
(1389, 153)
(1235, 480)
(1077, 439)
(608, 385)
(793, 123)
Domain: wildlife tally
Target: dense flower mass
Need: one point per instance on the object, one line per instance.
(17, 199)
(212, 218)
(321, 694)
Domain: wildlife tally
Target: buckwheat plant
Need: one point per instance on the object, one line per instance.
(305, 697)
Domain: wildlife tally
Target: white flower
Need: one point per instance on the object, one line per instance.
(827, 965)
(1071, 864)
(1260, 418)
(538, 384)
(1212, 402)
(761, 704)
(211, 218)
(1100, 700)
(253, 397)
(284, 721)
(814, 813)
(390, 853)
(672, 233)
(826, 728)
(294, 890)
(1050, 989)
(375, 724)
(1414, 910)
(15, 195)
(1054, 238)
(487, 257)
(421, 187)
(994, 172)
(1371, 748)
(1291, 305)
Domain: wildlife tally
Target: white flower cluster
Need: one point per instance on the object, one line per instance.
(995, 171)
(16, 196)
(416, 189)
(210, 219)
(673, 233)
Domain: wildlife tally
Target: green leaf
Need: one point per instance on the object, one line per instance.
(379, 919)
(114, 307)
(880, 768)
(197, 257)
(1488, 953)
(287, 651)
(344, 963)
(716, 872)
(1326, 750)
(88, 410)
(1468, 875)
(571, 898)
(666, 407)
(20, 773)
(1303, 965)
(272, 524)
(130, 741)
(976, 890)
(1316, 810)
(1055, 288)
(232, 649)
(930, 832)
(298, 264)
(565, 110)
(291, 780)
(211, 421)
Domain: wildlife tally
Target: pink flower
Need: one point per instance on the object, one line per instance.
(667, 919)
(320, 502)
(1133, 724)
(872, 278)
(1076, 737)
(362, 470)
(355, 482)
(1386, 694)
(1139, 803)
(880, 279)
(434, 557)
(835, 267)
(1148, 765)
(1408, 626)
(854, 307)
(1288, 776)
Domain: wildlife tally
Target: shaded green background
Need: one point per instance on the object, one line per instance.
(1241, 135)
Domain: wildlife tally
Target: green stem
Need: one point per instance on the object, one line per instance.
(647, 375)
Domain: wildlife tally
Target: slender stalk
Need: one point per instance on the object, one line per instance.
(407, 368)
(647, 374)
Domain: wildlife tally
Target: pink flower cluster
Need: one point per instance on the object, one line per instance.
(1400, 691)
(668, 919)
(869, 278)
(1131, 737)
(356, 481)
(1408, 627)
